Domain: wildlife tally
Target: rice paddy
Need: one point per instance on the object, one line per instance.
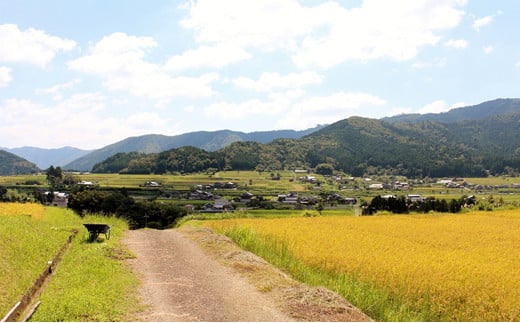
(454, 267)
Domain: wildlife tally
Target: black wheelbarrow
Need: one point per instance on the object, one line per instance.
(95, 229)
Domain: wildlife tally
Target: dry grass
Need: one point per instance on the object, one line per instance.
(34, 210)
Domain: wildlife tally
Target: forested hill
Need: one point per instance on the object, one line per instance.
(474, 112)
(10, 164)
(467, 148)
(207, 140)
(357, 146)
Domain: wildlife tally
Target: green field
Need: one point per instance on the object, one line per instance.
(91, 282)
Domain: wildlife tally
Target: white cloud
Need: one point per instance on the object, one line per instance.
(458, 105)
(207, 56)
(488, 49)
(482, 22)
(286, 96)
(235, 111)
(5, 76)
(329, 109)
(274, 81)
(327, 34)
(456, 43)
(439, 62)
(31, 46)
(56, 90)
(440, 106)
(119, 60)
(267, 24)
(380, 29)
(301, 114)
(398, 111)
(79, 120)
(146, 121)
(52, 126)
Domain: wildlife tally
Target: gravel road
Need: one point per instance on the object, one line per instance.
(181, 283)
(192, 274)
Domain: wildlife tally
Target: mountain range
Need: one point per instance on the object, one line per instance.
(43, 158)
(465, 140)
(71, 158)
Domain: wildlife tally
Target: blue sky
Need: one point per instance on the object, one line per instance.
(90, 73)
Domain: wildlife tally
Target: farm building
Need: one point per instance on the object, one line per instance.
(415, 198)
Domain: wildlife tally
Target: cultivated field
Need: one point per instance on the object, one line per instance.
(437, 267)
(263, 184)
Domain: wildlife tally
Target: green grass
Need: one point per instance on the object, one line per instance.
(377, 303)
(26, 245)
(91, 282)
(91, 285)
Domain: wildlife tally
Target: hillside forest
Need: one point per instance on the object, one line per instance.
(355, 146)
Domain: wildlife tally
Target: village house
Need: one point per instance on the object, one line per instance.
(289, 198)
(200, 195)
(219, 205)
(152, 184)
(246, 197)
(335, 197)
(415, 198)
(375, 186)
(227, 185)
(59, 198)
(401, 186)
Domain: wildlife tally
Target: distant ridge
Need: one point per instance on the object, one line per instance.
(474, 112)
(207, 140)
(44, 158)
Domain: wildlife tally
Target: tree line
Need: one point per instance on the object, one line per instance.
(139, 214)
(402, 204)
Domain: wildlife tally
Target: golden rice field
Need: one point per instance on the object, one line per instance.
(463, 267)
(35, 210)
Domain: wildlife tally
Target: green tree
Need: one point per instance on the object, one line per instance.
(324, 169)
(319, 207)
(55, 178)
(3, 191)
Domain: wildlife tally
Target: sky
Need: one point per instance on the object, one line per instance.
(90, 73)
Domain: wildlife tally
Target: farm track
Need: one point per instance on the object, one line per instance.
(193, 274)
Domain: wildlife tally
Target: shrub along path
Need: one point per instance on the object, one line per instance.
(191, 274)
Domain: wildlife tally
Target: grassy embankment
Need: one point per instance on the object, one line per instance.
(398, 268)
(91, 282)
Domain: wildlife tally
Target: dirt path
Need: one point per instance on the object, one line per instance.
(183, 284)
(195, 275)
